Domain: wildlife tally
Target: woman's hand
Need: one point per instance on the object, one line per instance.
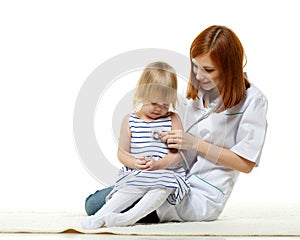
(180, 140)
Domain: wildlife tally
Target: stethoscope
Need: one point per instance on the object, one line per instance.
(211, 108)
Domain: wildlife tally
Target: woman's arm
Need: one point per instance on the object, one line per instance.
(222, 156)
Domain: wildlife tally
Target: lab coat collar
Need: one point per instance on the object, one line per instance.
(199, 103)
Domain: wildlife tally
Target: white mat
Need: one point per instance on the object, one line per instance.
(233, 222)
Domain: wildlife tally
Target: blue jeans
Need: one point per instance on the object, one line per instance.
(96, 200)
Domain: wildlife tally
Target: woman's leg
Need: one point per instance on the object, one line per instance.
(152, 200)
(96, 200)
(150, 218)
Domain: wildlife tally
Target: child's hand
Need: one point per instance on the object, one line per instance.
(141, 163)
(152, 164)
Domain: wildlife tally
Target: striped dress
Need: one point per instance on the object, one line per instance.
(144, 145)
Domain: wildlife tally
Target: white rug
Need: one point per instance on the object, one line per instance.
(233, 222)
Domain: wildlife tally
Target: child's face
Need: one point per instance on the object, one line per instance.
(155, 109)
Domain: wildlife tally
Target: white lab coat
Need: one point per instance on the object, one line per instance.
(241, 129)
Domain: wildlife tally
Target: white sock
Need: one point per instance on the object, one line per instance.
(92, 222)
(152, 200)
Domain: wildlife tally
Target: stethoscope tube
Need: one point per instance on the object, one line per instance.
(211, 109)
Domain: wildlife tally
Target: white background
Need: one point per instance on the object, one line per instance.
(49, 48)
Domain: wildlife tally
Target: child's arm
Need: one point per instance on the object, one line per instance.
(173, 157)
(124, 148)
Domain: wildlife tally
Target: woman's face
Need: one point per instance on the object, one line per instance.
(206, 72)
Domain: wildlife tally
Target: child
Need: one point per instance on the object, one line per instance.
(151, 172)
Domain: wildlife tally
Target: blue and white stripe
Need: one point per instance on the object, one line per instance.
(143, 145)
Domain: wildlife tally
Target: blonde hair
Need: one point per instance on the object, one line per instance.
(158, 80)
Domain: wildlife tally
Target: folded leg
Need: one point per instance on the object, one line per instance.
(119, 201)
(153, 199)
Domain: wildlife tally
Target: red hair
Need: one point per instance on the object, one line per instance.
(227, 53)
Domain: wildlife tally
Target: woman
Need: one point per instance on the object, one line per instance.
(225, 143)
